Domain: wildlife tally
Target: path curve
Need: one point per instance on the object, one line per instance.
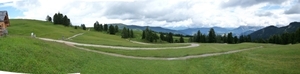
(117, 47)
(161, 58)
(73, 44)
(139, 42)
(70, 38)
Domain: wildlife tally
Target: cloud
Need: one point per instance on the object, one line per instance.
(265, 14)
(247, 3)
(294, 9)
(164, 13)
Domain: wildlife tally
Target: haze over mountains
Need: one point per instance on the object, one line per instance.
(242, 30)
(256, 32)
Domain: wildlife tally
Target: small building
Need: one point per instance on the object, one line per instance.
(4, 22)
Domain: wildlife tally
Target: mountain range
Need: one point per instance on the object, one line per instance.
(268, 31)
(242, 30)
(255, 32)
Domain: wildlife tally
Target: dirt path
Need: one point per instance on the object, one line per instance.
(159, 58)
(140, 42)
(70, 38)
(118, 47)
(73, 44)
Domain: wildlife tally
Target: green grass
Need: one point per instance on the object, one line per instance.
(202, 49)
(41, 29)
(21, 53)
(114, 40)
(25, 54)
(44, 29)
(270, 60)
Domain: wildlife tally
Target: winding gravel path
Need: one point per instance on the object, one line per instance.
(70, 38)
(117, 47)
(161, 58)
(145, 58)
(73, 44)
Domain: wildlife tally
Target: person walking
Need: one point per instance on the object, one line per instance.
(32, 34)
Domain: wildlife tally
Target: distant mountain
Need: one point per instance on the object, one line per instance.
(245, 30)
(266, 32)
(157, 29)
(242, 30)
(191, 31)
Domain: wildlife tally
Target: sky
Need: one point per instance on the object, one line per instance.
(173, 14)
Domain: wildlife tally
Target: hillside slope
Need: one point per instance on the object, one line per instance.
(23, 27)
(272, 30)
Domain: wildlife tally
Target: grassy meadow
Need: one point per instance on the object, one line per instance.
(202, 49)
(41, 29)
(21, 53)
(115, 40)
(35, 56)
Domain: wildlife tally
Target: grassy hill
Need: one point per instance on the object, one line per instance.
(21, 27)
(21, 53)
(267, 32)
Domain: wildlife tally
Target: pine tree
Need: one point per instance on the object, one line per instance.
(203, 38)
(147, 33)
(162, 37)
(61, 19)
(116, 28)
(65, 21)
(170, 37)
(285, 37)
(211, 36)
(124, 33)
(100, 27)
(198, 36)
(96, 26)
(293, 38)
(225, 38)
(111, 29)
(155, 37)
(230, 38)
(48, 18)
(143, 35)
(235, 38)
(128, 33)
(83, 26)
(105, 27)
(248, 38)
(298, 35)
(181, 40)
(219, 39)
(75, 27)
(55, 18)
(131, 34)
(241, 39)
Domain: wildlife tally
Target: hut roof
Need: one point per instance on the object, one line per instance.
(2, 15)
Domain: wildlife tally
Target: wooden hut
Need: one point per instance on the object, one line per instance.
(4, 22)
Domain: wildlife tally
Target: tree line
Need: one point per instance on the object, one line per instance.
(106, 28)
(59, 18)
(127, 33)
(213, 38)
(285, 38)
(152, 36)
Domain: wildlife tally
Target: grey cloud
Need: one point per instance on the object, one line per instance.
(120, 8)
(27, 4)
(294, 9)
(149, 9)
(264, 14)
(247, 3)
